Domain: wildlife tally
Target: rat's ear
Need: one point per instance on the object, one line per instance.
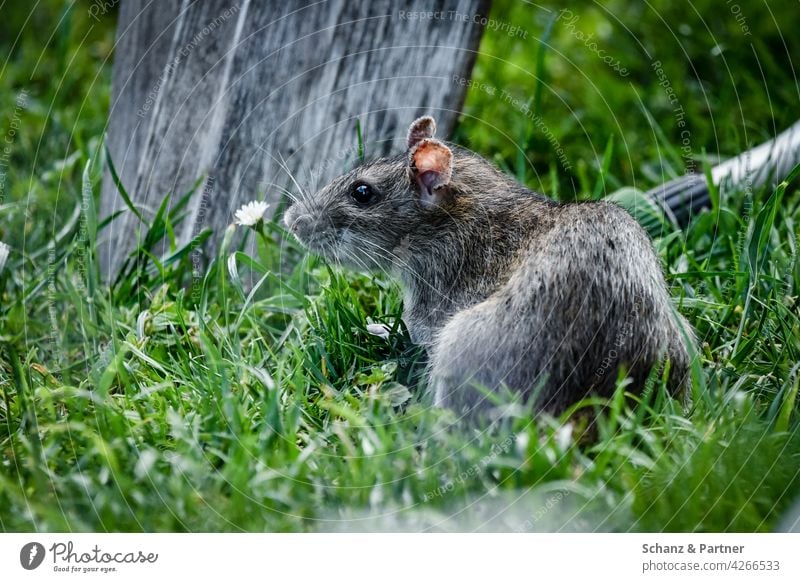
(431, 164)
(422, 128)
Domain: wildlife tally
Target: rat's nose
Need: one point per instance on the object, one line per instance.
(300, 225)
(289, 216)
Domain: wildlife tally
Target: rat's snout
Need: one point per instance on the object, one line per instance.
(301, 227)
(289, 216)
(298, 223)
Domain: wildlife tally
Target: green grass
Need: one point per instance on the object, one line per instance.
(172, 402)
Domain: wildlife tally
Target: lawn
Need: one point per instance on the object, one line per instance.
(164, 401)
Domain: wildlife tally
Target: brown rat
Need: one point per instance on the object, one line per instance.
(507, 289)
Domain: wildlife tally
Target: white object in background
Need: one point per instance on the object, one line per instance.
(4, 250)
(379, 329)
(772, 160)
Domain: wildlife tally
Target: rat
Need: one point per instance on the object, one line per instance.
(506, 289)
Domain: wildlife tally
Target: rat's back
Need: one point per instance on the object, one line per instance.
(586, 298)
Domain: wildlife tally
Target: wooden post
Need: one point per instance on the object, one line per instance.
(243, 93)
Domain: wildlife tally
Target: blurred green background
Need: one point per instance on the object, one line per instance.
(731, 67)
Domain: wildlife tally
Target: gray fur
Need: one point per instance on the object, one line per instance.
(504, 287)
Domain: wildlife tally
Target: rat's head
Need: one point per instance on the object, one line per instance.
(363, 217)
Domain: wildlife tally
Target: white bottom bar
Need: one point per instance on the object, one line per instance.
(400, 557)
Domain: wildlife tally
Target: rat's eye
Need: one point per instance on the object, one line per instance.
(363, 194)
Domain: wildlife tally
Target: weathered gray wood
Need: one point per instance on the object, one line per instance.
(144, 37)
(244, 85)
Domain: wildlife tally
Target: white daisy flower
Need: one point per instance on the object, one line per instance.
(251, 213)
(4, 250)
